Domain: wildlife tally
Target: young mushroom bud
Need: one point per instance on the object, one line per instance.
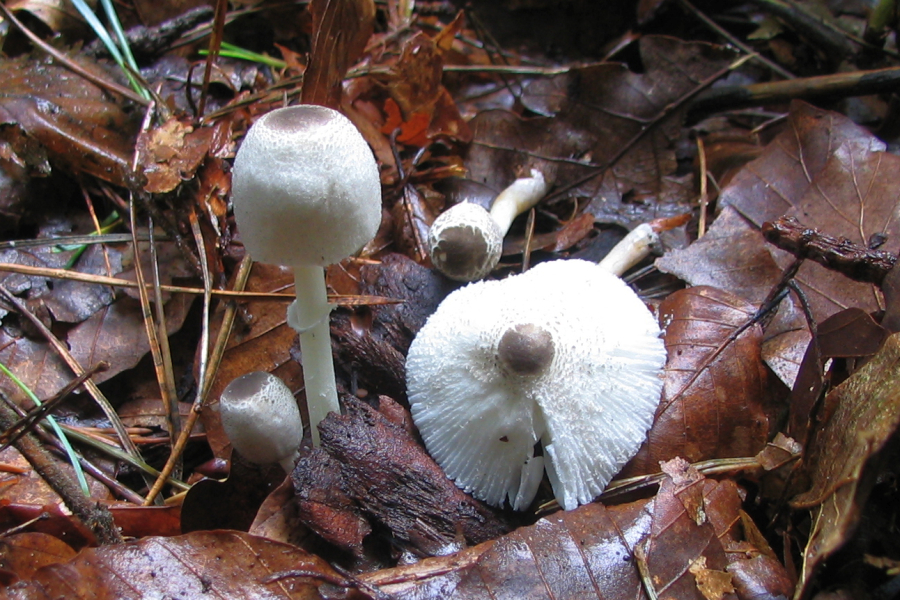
(565, 354)
(465, 241)
(261, 418)
(307, 193)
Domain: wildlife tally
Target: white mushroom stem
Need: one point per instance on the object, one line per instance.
(631, 250)
(520, 196)
(308, 315)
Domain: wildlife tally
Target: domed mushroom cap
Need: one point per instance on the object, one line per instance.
(565, 354)
(465, 242)
(305, 187)
(261, 419)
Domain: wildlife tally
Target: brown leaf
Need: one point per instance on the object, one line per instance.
(341, 30)
(849, 333)
(711, 405)
(171, 153)
(114, 334)
(81, 128)
(606, 109)
(262, 344)
(22, 554)
(831, 175)
(594, 551)
(842, 460)
(219, 564)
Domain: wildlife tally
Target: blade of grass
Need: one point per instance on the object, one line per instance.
(60, 434)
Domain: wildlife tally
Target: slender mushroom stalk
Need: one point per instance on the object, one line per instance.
(565, 354)
(306, 194)
(630, 250)
(261, 418)
(465, 241)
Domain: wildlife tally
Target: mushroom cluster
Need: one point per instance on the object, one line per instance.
(306, 194)
(565, 355)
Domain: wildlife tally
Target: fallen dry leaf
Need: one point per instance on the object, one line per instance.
(82, 129)
(712, 402)
(605, 111)
(830, 174)
(220, 564)
(863, 414)
(597, 551)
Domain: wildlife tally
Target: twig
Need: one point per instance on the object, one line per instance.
(775, 67)
(77, 369)
(857, 83)
(205, 384)
(93, 514)
(838, 254)
(339, 299)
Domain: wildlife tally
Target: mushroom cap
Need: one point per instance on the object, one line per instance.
(588, 395)
(465, 242)
(305, 188)
(261, 418)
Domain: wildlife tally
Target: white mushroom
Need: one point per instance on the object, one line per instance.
(307, 193)
(465, 241)
(565, 354)
(261, 418)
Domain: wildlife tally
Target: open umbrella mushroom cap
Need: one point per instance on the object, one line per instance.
(305, 188)
(261, 418)
(565, 354)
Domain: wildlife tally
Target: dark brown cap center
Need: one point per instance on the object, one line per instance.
(526, 349)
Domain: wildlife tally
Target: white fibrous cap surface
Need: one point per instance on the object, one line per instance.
(261, 418)
(464, 242)
(590, 408)
(305, 188)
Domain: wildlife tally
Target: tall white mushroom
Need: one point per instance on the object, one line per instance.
(565, 354)
(306, 194)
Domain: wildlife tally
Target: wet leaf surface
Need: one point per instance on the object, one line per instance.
(592, 552)
(79, 126)
(715, 382)
(831, 175)
(192, 565)
(862, 415)
(605, 112)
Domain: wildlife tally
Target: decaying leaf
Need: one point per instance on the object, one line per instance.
(260, 341)
(712, 402)
(22, 554)
(597, 551)
(114, 334)
(81, 127)
(171, 153)
(831, 175)
(605, 111)
(189, 566)
(341, 31)
(863, 414)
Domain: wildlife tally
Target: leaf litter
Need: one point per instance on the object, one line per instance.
(611, 136)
